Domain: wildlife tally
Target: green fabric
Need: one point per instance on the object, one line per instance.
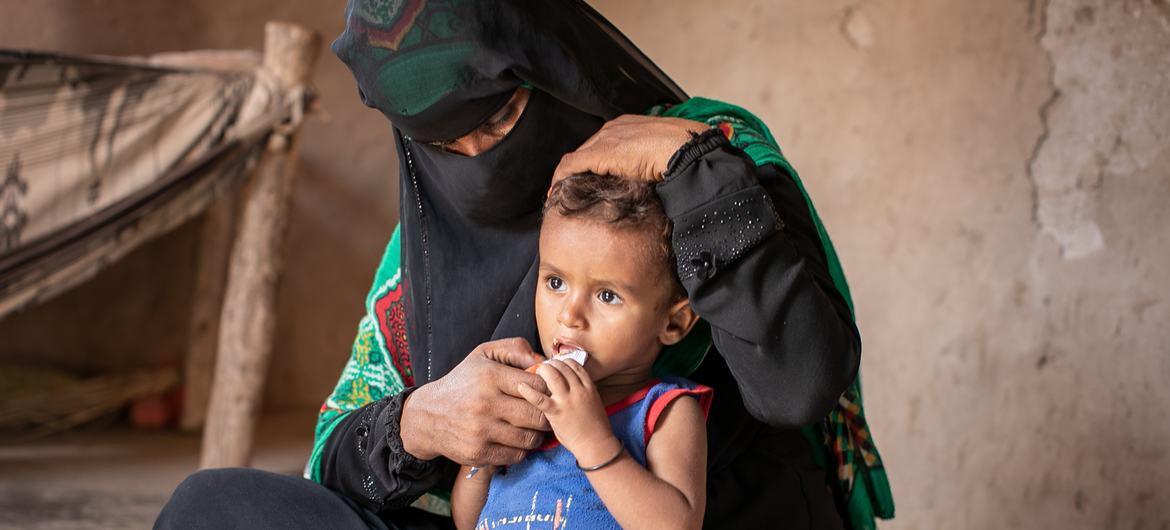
(418, 60)
(369, 375)
(684, 357)
(843, 441)
(430, 78)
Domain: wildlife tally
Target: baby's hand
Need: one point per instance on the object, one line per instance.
(574, 411)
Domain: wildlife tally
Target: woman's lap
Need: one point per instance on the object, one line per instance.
(250, 498)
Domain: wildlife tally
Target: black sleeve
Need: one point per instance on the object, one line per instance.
(364, 460)
(751, 260)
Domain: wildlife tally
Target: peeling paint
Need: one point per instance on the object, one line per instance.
(1099, 124)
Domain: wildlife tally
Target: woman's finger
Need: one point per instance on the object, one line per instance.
(591, 160)
(509, 436)
(507, 378)
(515, 352)
(496, 455)
(520, 412)
(570, 164)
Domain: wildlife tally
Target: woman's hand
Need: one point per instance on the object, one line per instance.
(630, 146)
(574, 410)
(474, 415)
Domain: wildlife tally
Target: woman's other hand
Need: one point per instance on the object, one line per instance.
(474, 415)
(630, 146)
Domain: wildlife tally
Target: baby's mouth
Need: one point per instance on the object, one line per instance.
(561, 346)
(563, 350)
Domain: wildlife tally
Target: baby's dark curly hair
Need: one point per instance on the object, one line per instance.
(620, 202)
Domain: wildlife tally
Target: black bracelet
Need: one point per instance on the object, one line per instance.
(612, 459)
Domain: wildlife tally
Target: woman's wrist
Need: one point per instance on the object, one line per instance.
(682, 134)
(700, 143)
(414, 439)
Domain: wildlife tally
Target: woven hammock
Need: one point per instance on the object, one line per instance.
(98, 155)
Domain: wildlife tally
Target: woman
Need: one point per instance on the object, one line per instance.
(485, 99)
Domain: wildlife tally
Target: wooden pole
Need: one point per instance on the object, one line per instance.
(246, 325)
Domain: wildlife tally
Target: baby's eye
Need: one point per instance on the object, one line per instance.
(609, 297)
(555, 283)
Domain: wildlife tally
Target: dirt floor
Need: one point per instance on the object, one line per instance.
(120, 477)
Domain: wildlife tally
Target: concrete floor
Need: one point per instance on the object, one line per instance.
(120, 477)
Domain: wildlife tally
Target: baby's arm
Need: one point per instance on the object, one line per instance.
(671, 493)
(469, 495)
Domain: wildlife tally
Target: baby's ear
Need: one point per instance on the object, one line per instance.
(679, 321)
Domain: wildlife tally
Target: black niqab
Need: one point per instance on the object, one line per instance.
(469, 225)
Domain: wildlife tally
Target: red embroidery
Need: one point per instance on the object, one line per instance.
(727, 129)
(390, 311)
(391, 37)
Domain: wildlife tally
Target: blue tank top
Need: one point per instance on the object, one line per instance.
(547, 490)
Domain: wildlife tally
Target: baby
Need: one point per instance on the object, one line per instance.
(627, 451)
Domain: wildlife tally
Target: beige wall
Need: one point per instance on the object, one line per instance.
(992, 172)
(995, 175)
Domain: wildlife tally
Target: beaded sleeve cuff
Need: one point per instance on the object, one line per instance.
(412, 474)
(719, 210)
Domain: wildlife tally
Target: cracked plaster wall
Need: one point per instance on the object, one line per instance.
(1108, 115)
(994, 174)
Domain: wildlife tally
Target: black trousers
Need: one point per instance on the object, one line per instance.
(739, 496)
(223, 499)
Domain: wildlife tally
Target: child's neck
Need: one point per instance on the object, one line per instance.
(619, 386)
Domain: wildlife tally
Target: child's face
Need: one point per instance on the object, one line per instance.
(604, 290)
